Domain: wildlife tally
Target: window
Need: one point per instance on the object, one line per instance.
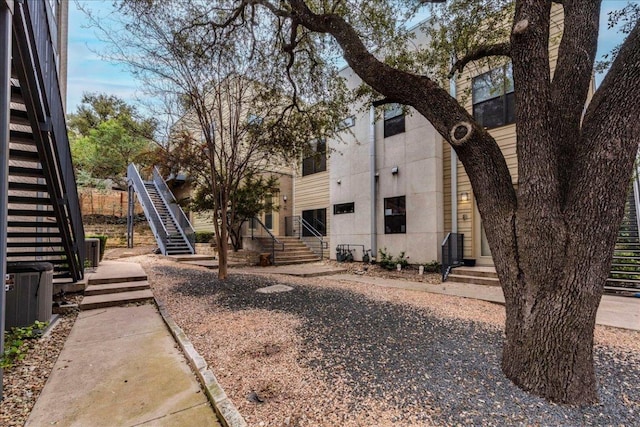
(395, 215)
(493, 98)
(393, 120)
(343, 208)
(316, 162)
(317, 218)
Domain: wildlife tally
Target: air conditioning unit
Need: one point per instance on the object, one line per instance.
(29, 293)
(92, 251)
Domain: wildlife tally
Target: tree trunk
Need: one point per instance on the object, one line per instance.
(548, 346)
(223, 250)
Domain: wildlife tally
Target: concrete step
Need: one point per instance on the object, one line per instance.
(293, 262)
(113, 300)
(195, 257)
(113, 288)
(474, 280)
(476, 272)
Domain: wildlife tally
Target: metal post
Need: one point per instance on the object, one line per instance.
(372, 171)
(130, 214)
(6, 12)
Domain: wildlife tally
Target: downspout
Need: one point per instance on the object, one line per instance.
(454, 172)
(6, 12)
(372, 166)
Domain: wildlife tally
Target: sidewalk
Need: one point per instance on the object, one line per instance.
(619, 312)
(121, 366)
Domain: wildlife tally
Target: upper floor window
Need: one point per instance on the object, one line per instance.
(493, 98)
(344, 208)
(317, 162)
(393, 120)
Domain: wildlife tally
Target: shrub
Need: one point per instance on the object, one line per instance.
(388, 262)
(103, 242)
(204, 236)
(432, 267)
(15, 339)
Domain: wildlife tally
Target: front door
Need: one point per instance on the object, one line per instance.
(481, 249)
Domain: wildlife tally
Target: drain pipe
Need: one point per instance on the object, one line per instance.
(372, 166)
(6, 13)
(454, 171)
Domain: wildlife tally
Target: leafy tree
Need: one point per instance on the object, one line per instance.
(106, 135)
(252, 198)
(232, 113)
(552, 238)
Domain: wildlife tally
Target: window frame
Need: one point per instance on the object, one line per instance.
(349, 207)
(391, 217)
(317, 162)
(504, 100)
(315, 219)
(394, 120)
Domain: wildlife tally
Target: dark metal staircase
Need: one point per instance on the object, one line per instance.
(624, 278)
(171, 228)
(44, 220)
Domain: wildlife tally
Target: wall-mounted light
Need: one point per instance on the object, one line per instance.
(339, 181)
(464, 197)
(394, 170)
(284, 198)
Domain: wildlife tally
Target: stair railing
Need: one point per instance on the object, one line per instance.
(452, 253)
(636, 191)
(153, 217)
(178, 215)
(35, 34)
(313, 235)
(260, 232)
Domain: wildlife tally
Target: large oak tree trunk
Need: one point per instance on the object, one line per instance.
(548, 345)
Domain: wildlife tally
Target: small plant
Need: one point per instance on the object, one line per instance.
(388, 262)
(204, 236)
(432, 267)
(15, 339)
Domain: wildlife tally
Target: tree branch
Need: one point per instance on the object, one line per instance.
(500, 49)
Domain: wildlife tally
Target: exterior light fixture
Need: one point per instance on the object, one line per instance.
(394, 170)
(284, 198)
(339, 181)
(464, 197)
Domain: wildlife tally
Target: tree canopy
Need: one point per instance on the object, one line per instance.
(106, 135)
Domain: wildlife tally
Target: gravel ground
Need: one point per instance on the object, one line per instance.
(23, 382)
(331, 353)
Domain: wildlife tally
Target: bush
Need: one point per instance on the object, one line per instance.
(432, 267)
(103, 242)
(388, 262)
(15, 339)
(204, 236)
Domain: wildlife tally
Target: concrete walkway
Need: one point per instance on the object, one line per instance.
(121, 366)
(619, 312)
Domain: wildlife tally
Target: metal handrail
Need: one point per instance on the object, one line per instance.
(178, 215)
(274, 239)
(314, 233)
(155, 221)
(452, 256)
(37, 49)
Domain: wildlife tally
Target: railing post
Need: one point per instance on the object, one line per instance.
(5, 99)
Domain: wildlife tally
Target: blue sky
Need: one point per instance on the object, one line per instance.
(87, 72)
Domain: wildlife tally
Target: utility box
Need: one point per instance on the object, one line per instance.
(29, 293)
(92, 251)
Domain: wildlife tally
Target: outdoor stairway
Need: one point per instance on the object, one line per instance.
(474, 276)
(38, 225)
(128, 286)
(176, 243)
(625, 266)
(169, 224)
(295, 251)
